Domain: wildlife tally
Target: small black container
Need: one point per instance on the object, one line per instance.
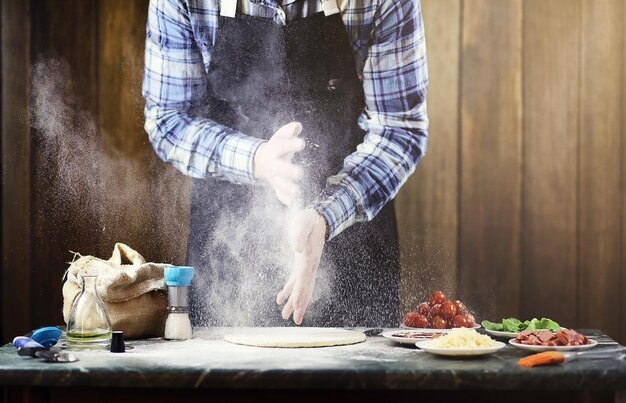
(117, 342)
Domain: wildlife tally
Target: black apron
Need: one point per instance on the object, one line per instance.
(261, 77)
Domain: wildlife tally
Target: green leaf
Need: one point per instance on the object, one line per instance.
(491, 325)
(543, 324)
(512, 324)
(548, 324)
(515, 325)
(532, 324)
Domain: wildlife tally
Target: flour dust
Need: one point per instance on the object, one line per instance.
(117, 190)
(246, 260)
(99, 181)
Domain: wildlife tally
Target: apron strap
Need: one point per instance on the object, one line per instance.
(228, 8)
(330, 7)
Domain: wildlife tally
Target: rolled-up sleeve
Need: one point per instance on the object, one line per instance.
(175, 90)
(395, 81)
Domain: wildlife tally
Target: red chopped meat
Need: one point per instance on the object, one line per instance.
(525, 333)
(545, 335)
(563, 337)
(561, 340)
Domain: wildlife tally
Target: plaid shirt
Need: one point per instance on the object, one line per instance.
(387, 38)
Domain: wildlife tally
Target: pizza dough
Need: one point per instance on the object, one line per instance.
(294, 337)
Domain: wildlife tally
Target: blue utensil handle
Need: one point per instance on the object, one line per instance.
(22, 342)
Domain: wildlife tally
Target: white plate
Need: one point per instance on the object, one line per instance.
(430, 329)
(410, 340)
(500, 333)
(459, 352)
(553, 348)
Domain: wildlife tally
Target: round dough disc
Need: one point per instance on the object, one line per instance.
(294, 337)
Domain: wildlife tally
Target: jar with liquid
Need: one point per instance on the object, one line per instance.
(88, 325)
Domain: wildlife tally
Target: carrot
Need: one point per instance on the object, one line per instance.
(545, 358)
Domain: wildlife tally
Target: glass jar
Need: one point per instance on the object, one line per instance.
(88, 325)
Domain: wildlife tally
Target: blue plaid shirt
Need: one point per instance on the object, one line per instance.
(387, 38)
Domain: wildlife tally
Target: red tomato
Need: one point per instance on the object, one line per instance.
(460, 308)
(423, 308)
(414, 319)
(437, 297)
(435, 310)
(448, 310)
(471, 320)
(421, 321)
(438, 322)
(460, 321)
(410, 319)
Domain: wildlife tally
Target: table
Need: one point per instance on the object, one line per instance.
(206, 366)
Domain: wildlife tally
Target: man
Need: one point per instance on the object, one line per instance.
(324, 103)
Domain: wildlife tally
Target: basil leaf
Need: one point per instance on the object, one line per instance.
(547, 324)
(491, 325)
(515, 325)
(511, 324)
(532, 324)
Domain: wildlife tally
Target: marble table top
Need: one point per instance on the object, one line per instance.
(206, 361)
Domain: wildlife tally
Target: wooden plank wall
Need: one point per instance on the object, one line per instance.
(535, 170)
(491, 129)
(429, 232)
(600, 178)
(155, 198)
(549, 169)
(623, 293)
(16, 169)
(519, 207)
(1, 191)
(65, 146)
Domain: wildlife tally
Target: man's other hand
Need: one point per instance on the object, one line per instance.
(272, 163)
(307, 236)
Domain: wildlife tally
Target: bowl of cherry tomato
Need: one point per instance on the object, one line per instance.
(439, 313)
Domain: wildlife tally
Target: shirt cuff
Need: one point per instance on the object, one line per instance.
(237, 159)
(338, 209)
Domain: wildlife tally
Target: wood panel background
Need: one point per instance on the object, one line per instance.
(518, 208)
(527, 108)
(61, 219)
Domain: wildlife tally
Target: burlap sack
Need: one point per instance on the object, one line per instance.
(133, 291)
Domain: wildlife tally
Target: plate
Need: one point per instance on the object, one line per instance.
(430, 329)
(501, 333)
(459, 352)
(553, 348)
(427, 335)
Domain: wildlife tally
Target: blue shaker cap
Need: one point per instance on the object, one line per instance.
(46, 336)
(178, 276)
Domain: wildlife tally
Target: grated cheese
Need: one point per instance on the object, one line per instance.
(462, 337)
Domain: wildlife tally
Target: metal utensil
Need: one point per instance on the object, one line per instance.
(367, 332)
(56, 356)
(373, 332)
(616, 353)
(30, 351)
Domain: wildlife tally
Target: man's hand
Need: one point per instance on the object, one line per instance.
(272, 163)
(307, 236)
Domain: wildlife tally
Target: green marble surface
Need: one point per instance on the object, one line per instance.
(207, 361)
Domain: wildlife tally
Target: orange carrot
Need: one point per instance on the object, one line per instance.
(545, 358)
